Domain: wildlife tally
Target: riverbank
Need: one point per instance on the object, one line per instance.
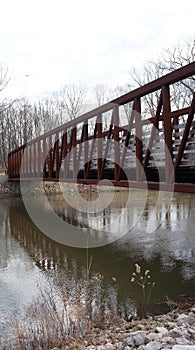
(50, 188)
(9, 189)
(174, 330)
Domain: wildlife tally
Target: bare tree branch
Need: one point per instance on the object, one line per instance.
(170, 60)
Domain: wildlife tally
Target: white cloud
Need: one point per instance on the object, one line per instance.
(55, 41)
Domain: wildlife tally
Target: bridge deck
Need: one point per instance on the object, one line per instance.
(154, 151)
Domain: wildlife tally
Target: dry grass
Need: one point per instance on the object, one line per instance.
(61, 317)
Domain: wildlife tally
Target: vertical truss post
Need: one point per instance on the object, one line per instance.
(9, 166)
(185, 134)
(57, 156)
(99, 145)
(176, 123)
(138, 138)
(17, 161)
(74, 152)
(21, 154)
(116, 142)
(26, 160)
(167, 133)
(64, 152)
(21, 166)
(31, 160)
(39, 164)
(92, 149)
(15, 155)
(127, 134)
(86, 148)
(50, 157)
(21, 158)
(152, 137)
(44, 162)
(18, 164)
(13, 164)
(80, 145)
(35, 156)
(110, 131)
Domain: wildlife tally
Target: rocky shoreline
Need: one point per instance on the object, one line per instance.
(49, 188)
(9, 189)
(174, 330)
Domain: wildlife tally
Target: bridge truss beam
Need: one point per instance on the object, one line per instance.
(148, 151)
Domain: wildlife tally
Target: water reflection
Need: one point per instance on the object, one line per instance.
(167, 251)
(171, 244)
(18, 275)
(98, 223)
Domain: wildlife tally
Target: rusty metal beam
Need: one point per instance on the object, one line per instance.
(74, 152)
(99, 145)
(63, 154)
(44, 157)
(167, 133)
(39, 163)
(177, 187)
(138, 137)
(86, 148)
(54, 152)
(116, 141)
(168, 79)
(34, 156)
(153, 133)
(107, 146)
(57, 156)
(127, 134)
(50, 158)
(93, 140)
(185, 134)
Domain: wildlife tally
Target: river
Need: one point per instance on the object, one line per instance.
(165, 246)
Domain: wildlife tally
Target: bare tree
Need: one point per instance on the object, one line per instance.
(102, 94)
(127, 108)
(70, 101)
(170, 60)
(45, 115)
(4, 77)
(4, 80)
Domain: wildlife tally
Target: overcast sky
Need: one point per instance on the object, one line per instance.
(46, 43)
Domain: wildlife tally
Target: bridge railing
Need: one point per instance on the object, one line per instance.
(101, 144)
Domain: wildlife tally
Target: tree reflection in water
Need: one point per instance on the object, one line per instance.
(168, 251)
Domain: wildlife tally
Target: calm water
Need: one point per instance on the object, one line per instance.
(27, 255)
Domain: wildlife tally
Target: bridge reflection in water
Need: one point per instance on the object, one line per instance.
(168, 251)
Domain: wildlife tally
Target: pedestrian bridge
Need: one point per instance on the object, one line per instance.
(143, 148)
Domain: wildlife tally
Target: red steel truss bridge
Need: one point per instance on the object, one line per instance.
(143, 148)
